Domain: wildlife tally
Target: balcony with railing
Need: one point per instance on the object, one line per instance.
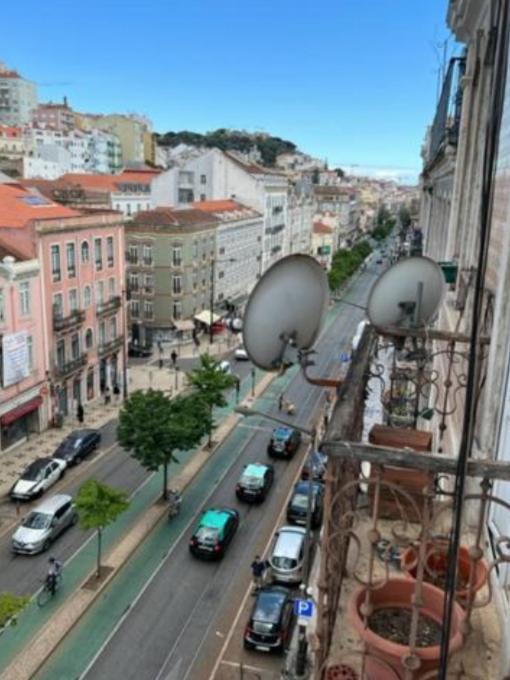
(109, 307)
(111, 346)
(71, 321)
(65, 368)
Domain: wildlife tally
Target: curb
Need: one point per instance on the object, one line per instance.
(24, 666)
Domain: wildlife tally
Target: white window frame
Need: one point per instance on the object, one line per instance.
(24, 298)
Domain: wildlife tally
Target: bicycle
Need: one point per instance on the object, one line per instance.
(46, 593)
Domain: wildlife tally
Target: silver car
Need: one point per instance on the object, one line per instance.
(43, 524)
(286, 559)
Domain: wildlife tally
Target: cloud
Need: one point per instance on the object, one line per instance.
(399, 175)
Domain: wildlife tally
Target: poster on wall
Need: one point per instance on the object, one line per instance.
(15, 358)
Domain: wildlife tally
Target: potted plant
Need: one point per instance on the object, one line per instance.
(385, 630)
(436, 565)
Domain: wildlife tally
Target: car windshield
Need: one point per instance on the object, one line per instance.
(37, 520)
(284, 562)
(268, 607)
(300, 501)
(33, 473)
(207, 534)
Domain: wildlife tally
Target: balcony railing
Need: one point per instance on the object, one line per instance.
(63, 323)
(148, 261)
(111, 346)
(131, 258)
(445, 128)
(66, 368)
(109, 307)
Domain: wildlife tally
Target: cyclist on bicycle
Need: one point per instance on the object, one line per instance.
(54, 571)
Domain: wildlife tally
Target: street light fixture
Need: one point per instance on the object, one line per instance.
(214, 261)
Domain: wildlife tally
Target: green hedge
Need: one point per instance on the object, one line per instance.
(345, 262)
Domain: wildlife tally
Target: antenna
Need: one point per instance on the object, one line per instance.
(408, 294)
(284, 313)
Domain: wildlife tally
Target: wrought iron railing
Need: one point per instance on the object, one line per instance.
(445, 127)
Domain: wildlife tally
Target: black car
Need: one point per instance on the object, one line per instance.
(284, 442)
(77, 445)
(297, 506)
(270, 624)
(140, 351)
(315, 466)
(214, 532)
(255, 482)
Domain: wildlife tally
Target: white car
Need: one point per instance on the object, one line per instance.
(241, 354)
(225, 367)
(37, 478)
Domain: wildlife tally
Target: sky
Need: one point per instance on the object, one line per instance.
(353, 81)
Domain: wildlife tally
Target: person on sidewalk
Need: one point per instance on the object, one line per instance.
(281, 401)
(116, 392)
(258, 568)
(80, 413)
(173, 357)
(107, 396)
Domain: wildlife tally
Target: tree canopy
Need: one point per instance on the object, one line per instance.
(10, 606)
(345, 262)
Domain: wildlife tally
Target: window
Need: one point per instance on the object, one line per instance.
(202, 197)
(203, 179)
(85, 254)
(135, 308)
(149, 283)
(147, 310)
(177, 310)
(147, 255)
(58, 306)
(111, 288)
(24, 297)
(185, 196)
(99, 292)
(75, 346)
(129, 209)
(55, 263)
(87, 296)
(89, 339)
(138, 207)
(133, 283)
(113, 327)
(98, 253)
(73, 300)
(177, 256)
(2, 306)
(102, 333)
(176, 285)
(133, 255)
(61, 354)
(109, 251)
(195, 249)
(30, 352)
(222, 251)
(71, 260)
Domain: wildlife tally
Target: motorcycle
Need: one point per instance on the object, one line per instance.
(174, 503)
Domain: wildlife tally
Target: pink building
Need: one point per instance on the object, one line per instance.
(81, 256)
(24, 400)
(54, 116)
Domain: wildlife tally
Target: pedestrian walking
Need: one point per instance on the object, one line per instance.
(173, 357)
(107, 396)
(80, 414)
(258, 568)
(281, 402)
(116, 392)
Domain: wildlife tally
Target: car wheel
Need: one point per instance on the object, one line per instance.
(46, 544)
(62, 473)
(39, 493)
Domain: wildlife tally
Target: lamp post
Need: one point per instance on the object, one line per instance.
(124, 294)
(211, 286)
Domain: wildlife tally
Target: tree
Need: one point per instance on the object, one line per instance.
(154, 427)
(10, 606)
(99, 505)
(210, 381)
(404, 216)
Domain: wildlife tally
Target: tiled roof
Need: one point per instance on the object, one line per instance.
(252, 168)
(228, 206)
(321, 228)
(111, 182)
(184, 220)
(19, 205)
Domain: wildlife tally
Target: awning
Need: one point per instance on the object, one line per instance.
(20, 411)
(185, 325)
(205, 317)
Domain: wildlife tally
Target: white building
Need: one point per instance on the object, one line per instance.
(105, 151)
(300, 213)
(238, 249)
(18, 97)
(12, 145)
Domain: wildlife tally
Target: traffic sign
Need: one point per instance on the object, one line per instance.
(303, 608)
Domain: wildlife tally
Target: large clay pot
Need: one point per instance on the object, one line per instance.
(397, 592)
(437, 563)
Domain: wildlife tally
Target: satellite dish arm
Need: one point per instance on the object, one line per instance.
(306, 362)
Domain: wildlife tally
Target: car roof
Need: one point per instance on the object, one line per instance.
(39, 464)
(302, 486)
(52, 503)
(269, 596)
(215, 517)
(288, 541)
(282, 432)
(255, 470)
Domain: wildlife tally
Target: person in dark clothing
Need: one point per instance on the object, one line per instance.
(116, 391)
(80, 414)
(173, 357)
(258, 568)
(107, 396)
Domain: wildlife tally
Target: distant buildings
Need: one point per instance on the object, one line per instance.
(323, 244)
(18, 98)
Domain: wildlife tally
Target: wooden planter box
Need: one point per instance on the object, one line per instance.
(411, 481)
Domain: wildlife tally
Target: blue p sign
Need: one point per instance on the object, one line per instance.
(303, 608)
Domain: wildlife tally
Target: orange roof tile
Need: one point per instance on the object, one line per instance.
(111, 182)
(321, 228)
(18, 206)
(218, 206)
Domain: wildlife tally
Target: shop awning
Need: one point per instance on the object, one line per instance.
(21, 410)
(184, 325)
(205, 317)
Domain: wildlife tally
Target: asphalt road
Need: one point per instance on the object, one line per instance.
(176, 629)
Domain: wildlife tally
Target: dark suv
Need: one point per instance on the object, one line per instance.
(77, 445)
(298, 504)
(255, 482)
(214, 532)
(284, 442)
(270, 624)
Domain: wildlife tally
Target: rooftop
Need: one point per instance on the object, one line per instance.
(176, 220)
(321, 228)
(226, 210)
(111, 182)
(19, 205)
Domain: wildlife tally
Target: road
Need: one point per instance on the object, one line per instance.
(179, 624)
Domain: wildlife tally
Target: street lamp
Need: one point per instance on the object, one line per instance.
(211, 286)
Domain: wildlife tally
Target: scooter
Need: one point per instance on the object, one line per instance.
(174, 503)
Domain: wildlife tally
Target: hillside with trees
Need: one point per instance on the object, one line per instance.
(231, 140)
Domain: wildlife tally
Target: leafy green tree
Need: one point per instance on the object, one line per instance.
(345, 262)
(10, 606)
(99, 505)
(154, 427)
(210, 382)
(404, 216)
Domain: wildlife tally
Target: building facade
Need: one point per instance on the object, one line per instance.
(12, 145)
(54, 116)
(323, 244)
(18, 98)
(300, 212)
(130, 130)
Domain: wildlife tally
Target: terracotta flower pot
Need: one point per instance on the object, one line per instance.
(397, 594)
(437, 565)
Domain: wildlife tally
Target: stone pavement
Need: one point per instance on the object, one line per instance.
(97, 414)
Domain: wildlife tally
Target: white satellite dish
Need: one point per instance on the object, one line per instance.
(285, 311)
(408, 294)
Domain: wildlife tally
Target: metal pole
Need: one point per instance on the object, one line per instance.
(124, 352)
(176, 378)
(211, 302)
(253, 382)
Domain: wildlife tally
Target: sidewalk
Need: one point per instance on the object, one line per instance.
(97, 414)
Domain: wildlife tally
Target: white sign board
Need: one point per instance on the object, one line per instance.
(15, 358)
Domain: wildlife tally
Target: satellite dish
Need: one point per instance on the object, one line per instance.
(285, 311)
(408, 294)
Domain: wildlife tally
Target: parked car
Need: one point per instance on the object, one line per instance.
(214, 532)
(225, 367)
(284, 442)
(241, 354)
(314, 466)
(37, 478)
(286, 560)
(77, 445)
(43, 524)
(270, 624)
(255, 482)
(140, 351)
(297, 507)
